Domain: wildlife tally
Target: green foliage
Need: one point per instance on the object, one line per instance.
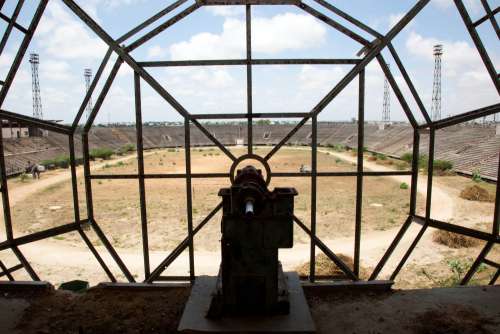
(381, 156)
(408, 157)
(263, 122)
(101, 153)
(61, 161)
(476, 176)
(442, 165)
(125, 149)
(403, 185)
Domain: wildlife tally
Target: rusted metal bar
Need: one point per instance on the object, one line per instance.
(241, 62)
(112, 252)
(246, 116)
(360, 168)
(428, 204)
(314, 182)
(477, 263)
(349, 18)
(140, 171)
(491, 16)
(486, 17)
(457, 229)
(37, 236)
(340, 264)
(16, 25)
(102, 95)
(189, 197)
(7, 218)
(151, 20)
(334, 24)
(10, 25)
(396, 90)
(409, 83)
(97, 256)
(479, 44)
(414, 172)
(465, 117)
(496, 215)
(494, 278)
(74, 181)
(39, 123)
(248, 19)
(180, 248)
(25, 263)
(7, 272)
(162, 27)
(22, 50)
(390, 249)
(91, 89)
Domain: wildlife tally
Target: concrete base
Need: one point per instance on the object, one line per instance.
(194, 321)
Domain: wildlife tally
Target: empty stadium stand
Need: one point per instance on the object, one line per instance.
(470, 147)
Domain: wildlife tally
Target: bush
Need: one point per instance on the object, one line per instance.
(126, 149)
(453, 240)
(380, 156)
(476, 175)
(403, 185)
(408, 157)
(101, 153)
(61, 161)
(442, 165)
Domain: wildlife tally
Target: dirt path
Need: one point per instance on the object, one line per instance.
(54, 264)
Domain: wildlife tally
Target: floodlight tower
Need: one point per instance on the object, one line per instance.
(87, 73)
(35, 86)
(436, 87)
(386, 108)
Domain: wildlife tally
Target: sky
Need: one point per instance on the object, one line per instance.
(66, 46)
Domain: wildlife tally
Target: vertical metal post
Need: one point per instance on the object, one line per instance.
(359, 175)
(496, 216)
(74, 182)
(88, 181)
(140, 169)
(428, 202)
(414, 172)
(249, 78)
(314, 171)
(189, 198)
(5, 191)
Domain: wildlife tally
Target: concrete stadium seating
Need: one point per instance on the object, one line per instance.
(469, 147)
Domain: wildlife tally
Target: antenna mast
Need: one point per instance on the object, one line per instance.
(35, 86)
(436, 87)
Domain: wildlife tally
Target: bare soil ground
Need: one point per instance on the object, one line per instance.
(38, 205)
(445, 311)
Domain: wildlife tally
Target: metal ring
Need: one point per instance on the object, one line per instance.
(247, 157)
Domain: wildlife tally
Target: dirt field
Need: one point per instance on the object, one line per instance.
(38, 205)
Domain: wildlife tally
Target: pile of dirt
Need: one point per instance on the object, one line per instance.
(454, 240)
(476, 193)
(451, 319)
(326, 267)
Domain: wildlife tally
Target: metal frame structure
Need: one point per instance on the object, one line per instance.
(372, 50)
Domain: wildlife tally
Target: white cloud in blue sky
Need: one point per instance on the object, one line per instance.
(66, 47)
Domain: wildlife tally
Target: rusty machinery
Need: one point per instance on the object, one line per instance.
(256, 222)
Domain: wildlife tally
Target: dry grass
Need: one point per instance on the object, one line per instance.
(476, 193)
(117, 211)
(454, 240)
(326, 267)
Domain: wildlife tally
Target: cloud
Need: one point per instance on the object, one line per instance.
(62, 35)
(473, 5)
(282, 32)
(156, 51)
(226, 11)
